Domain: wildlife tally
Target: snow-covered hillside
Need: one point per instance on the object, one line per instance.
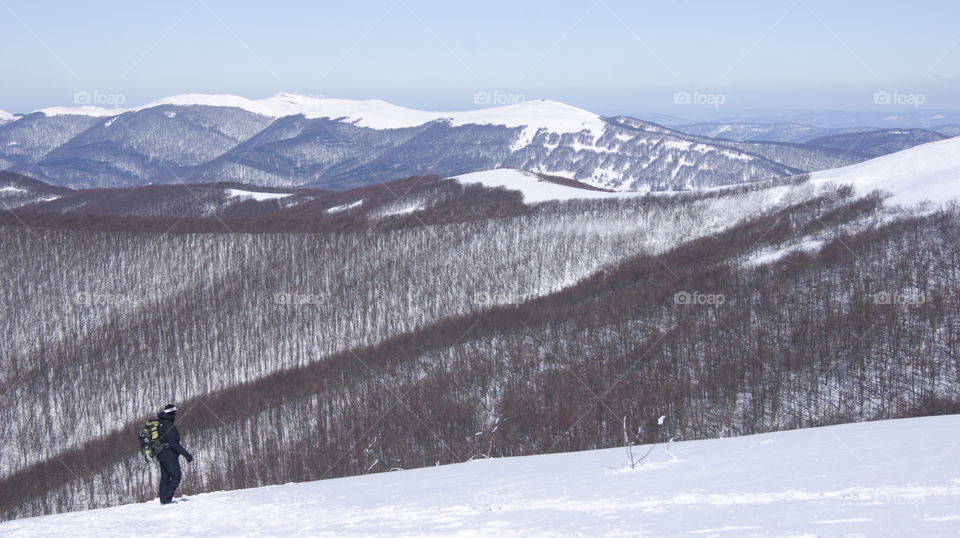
(890, 478)
(926, 172)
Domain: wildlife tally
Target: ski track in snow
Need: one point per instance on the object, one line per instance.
(889, 478)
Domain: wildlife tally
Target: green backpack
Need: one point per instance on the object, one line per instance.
(150, 444)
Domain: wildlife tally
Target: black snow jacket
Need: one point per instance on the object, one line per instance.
(170, 437)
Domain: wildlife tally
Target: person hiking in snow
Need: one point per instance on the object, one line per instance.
(169, 455)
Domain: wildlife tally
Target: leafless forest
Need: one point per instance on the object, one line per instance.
(366, 344)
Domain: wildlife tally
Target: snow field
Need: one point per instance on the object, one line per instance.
(886, 478)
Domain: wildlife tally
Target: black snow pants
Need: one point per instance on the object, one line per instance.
(170, 474)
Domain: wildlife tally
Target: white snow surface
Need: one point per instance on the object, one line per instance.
(929, 171)
(532, 187)
(344, 207)
(6, 116)
(773, 255)
(258, 196)
(376, 114)
(890, 478)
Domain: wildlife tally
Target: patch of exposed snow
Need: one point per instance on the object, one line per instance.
(258, 196)
(401, 209)
(736, 155)
(681, 145)
(770, 256)
(344, 207)
(532, 187)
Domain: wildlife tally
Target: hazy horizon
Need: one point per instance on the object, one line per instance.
(607, 56)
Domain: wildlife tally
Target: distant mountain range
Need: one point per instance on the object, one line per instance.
(295, 141)
(887, 140)
(910, 176)
(749, 131)
(877, 143)
(879, 117)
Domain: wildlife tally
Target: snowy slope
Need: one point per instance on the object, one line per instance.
(891, 478)
(532, 187)
(6, 116)
(926, 172)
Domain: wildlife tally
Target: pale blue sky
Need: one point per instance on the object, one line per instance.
(609, 56)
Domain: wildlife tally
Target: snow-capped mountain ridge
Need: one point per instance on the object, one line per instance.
(374, 113)
(291, 140)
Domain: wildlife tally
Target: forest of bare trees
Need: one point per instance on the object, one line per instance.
(301, 356)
